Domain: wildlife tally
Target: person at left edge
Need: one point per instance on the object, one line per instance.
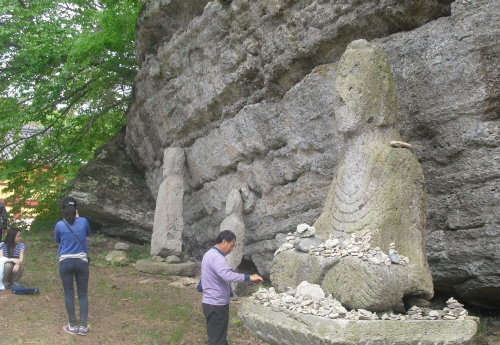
(4, 217)
(12, 254)
(73, 264)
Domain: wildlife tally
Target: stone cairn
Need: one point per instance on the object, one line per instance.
(454, 310)
(310, 299)
(358, 245)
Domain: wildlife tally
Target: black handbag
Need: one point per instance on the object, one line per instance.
(80, 243)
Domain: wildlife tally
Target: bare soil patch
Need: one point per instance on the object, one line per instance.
(125, 306)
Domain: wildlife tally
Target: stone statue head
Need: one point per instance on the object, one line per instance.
(173, 161)
(233, 202)
(364, 89)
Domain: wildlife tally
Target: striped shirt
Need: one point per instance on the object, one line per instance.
(17, 250)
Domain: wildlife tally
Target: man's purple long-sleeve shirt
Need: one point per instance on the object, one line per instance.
(216, 277)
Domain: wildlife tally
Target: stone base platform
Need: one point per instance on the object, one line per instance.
(184, 269)
(286, 328)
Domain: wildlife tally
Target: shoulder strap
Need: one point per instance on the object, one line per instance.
(80, 243)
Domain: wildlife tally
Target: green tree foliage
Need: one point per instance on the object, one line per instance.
(66, 74)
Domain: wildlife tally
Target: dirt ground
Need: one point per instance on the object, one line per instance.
(126, 307)
(152, 313)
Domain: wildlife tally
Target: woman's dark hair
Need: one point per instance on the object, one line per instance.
(68, 206)
(227, 235)
(10, 241)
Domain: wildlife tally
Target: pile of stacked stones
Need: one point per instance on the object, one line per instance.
(414, 313)
(306, 300)
(454, 310)
(309, 299)
(357, 245)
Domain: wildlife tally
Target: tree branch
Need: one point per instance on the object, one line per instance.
(23, 4)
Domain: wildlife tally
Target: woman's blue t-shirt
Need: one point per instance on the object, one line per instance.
(68, 243)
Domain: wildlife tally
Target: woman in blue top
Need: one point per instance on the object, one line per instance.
(71, 234)
(12, 249)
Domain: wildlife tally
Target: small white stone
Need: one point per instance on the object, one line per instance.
(302, 227)
(400, 144)
(434, 313)
(331, 243)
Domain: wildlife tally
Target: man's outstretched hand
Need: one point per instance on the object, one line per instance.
(256, 278)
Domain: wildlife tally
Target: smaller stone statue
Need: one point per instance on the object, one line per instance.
(234, 222)
(169, 223)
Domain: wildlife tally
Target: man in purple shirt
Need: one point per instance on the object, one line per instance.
(216, 277)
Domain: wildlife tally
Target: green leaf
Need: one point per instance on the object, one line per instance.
(66, 73)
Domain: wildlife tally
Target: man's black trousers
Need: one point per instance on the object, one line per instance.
(217, 317)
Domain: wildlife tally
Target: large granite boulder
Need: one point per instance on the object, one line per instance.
(112, 195)
(250, 120)
(449, 102)
(242, 89)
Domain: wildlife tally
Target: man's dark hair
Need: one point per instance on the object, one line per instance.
(227, 235)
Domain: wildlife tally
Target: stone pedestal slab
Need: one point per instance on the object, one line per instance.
(185, 269)
(285, 328)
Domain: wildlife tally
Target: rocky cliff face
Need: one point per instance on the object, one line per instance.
(448, 76)
(246, 90)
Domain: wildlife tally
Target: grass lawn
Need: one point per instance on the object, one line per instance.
(125, 306)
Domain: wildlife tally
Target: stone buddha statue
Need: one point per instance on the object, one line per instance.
(377, 187)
